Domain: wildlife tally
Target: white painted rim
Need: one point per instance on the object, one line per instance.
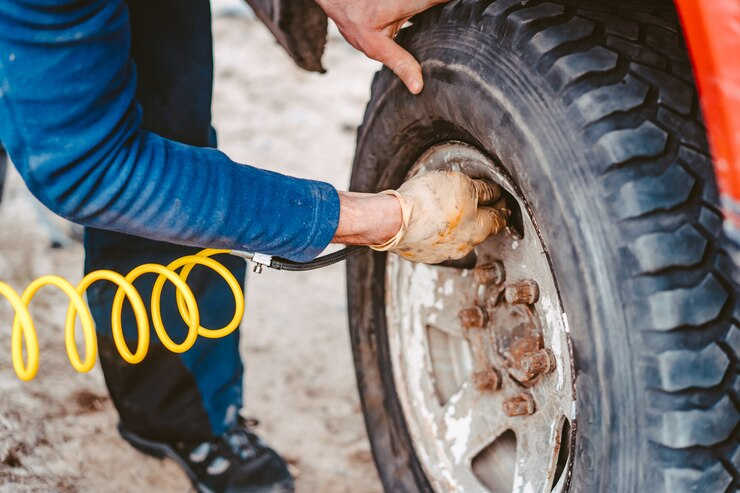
(422, 306)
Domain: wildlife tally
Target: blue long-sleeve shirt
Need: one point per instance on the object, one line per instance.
(71, 124)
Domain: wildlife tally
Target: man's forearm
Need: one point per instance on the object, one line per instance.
(70, 122)
(367, 218)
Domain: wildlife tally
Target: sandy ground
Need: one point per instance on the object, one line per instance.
(58, 432)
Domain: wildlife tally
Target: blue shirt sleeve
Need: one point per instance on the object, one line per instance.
(70, 122)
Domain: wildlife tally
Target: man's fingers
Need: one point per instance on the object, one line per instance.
(492, 220)
(487, 192)
(371, 27)
(400, 61)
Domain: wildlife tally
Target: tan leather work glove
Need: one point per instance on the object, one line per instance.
(442, 219)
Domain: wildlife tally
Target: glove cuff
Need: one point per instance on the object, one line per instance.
(406, 208)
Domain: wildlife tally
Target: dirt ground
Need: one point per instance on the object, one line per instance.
(58, 432)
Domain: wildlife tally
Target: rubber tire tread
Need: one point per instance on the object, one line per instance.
(622, 71)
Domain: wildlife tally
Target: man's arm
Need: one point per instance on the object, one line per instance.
(70, 122)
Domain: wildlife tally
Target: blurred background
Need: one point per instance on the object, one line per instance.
(58, 431)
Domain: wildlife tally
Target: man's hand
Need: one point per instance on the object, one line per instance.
(371, 25)
(442, 219)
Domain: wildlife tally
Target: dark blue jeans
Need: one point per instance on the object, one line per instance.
(195, 395)
(3, 168)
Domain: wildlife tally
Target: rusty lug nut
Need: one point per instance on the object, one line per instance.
(473, 318)
(519, 405)
(537, 362)
(493, 273)
(522, 292)
(488, 379)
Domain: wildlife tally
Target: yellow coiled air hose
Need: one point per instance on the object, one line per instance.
(23, 327)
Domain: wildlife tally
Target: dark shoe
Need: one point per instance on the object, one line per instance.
(236, 462)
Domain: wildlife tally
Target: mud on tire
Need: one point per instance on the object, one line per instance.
(592, 110)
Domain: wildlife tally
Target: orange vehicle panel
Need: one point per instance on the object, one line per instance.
(712, 30)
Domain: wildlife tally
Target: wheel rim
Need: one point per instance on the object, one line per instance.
(473, 352)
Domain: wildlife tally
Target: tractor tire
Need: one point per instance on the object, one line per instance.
(587, 115)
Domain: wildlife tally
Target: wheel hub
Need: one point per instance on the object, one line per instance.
(481, 357)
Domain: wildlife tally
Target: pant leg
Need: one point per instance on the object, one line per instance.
(195, 395)
(3, 169)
